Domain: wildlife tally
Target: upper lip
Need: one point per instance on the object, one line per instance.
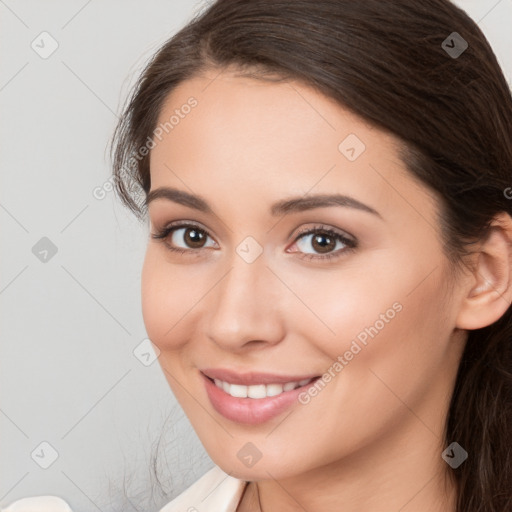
(252, 378)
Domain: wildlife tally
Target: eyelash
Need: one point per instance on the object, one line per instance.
(350, 244)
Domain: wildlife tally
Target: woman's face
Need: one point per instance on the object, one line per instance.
(300, 249)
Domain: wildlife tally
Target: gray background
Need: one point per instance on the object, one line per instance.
(70, 322)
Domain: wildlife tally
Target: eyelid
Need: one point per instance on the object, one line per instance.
(161, 234)
(348, 240)
(177, 224)
(326, 228)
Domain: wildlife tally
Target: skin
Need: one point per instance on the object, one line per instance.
(372, 438)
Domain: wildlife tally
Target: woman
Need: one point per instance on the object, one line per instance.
(328, 273)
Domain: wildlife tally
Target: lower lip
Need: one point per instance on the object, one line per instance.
(251, 411)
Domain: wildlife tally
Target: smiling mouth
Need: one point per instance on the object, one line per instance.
(253, 397)
(259, 391)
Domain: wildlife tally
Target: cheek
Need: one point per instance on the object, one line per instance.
(337, 306)
(167, 296)
(396, 342)
(383, 316)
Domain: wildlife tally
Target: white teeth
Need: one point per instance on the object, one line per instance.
(274, 389)
(258, 390)
(237, 390)
(289, 386)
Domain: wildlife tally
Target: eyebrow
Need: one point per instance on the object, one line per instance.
(284, 207)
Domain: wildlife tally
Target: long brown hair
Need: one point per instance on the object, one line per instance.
(399, 65)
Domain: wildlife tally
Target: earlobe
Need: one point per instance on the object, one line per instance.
(489, 292)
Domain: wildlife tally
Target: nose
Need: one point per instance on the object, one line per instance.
(245, 309)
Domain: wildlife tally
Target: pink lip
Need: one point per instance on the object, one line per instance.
(252, 378)
(249, 410)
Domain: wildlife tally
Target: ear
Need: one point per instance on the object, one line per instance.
(489, 292)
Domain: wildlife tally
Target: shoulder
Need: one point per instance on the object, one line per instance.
(38, 504)
(215, 491)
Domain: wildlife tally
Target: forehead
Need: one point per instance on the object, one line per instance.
(259, 138)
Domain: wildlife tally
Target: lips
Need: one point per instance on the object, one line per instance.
(252, 378)
(253, 398)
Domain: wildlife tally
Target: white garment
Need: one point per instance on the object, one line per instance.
(215, 491)
(38, 504)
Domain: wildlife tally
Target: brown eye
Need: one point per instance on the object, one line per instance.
(185, 237)
(194, 238)
(323, 243)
